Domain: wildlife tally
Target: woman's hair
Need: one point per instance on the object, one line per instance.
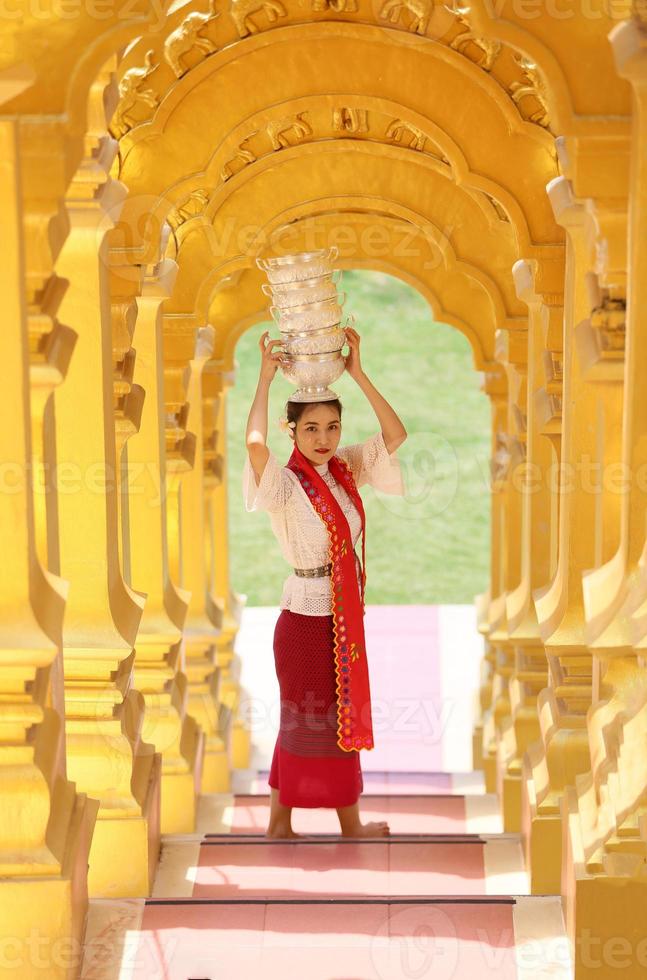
(294, 410)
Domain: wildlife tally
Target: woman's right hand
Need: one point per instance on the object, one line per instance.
(270, 361)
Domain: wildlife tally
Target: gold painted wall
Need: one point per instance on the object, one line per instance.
(148, 158)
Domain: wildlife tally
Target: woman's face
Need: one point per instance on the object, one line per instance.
(318, 428)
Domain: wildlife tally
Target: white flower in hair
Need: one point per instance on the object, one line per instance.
(284, 425)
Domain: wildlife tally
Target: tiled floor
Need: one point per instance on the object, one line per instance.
(445, 896)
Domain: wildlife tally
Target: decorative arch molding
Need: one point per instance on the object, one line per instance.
(199, 276)
(154, 168)
(433, 236)
(451, 37)
(474, 304)
(219, 217)
(596, 90)
(449, 158)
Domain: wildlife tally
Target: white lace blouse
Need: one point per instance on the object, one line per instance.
(301, 533)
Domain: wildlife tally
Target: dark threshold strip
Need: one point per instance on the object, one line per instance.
(438, 839)
(377, 900)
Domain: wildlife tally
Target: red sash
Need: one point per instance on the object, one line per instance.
(354, 723)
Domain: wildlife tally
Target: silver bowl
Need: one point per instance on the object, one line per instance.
(324, 341)
(315, 290)
(299, 266)
(313, 371)
(310, 316)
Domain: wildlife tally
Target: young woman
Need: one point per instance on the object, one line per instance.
(319, 651)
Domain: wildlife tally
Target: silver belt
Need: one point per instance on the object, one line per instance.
(313, 572)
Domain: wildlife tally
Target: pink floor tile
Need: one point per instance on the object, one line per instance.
(291, 870)
(406, 815)
(199, 941)
(452, 942)
(436, 869)
(336, 868)
(327, 928)
(446, 941)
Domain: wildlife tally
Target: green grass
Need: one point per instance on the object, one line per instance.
(431, 546)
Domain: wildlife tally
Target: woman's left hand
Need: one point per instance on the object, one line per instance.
(352, 360)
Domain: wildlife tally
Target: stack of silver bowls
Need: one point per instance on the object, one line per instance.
(308, 310)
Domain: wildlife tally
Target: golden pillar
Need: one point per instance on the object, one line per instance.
(203, 620)
(511, 350)
(591, 419)
(178, 346)
(490, 605)
(157, 674)
(605, 845)
(538, 529)
(222, 595)
(45, 825)
(106, 754)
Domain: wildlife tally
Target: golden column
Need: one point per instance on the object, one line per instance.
(157, 674)
(605, 843)
(45, 826)
(179, 333)
(512, 352)
(591, 416)
(491, 603)
(204, 617)
(106, 754)
(218, 382)
(538, 530)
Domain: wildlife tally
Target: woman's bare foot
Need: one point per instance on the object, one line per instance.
(374, 828)
(281, 833)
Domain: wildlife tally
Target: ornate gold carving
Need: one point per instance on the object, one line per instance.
(489, 49)
(553, 299)
(187, 38)
(241, 11)
(242, 154)
(190, 207)
(609, 318)
(277, 128)
(500, 462)
(132, 93)
(639, 13)
(348, 120)
(532, 88)
(556, 368)
(420, 9)
(339, 6)
(398, 127)
(520, 419)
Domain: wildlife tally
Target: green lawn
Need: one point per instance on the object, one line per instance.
(431, 546)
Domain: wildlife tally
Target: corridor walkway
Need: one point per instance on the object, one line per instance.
(444, 897)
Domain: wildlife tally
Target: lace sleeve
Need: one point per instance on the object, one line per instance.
(274, 490)
(371, 463)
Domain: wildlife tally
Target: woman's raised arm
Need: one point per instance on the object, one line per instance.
(256, 434)
(393, 431)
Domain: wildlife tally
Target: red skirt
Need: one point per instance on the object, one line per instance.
(308, 767)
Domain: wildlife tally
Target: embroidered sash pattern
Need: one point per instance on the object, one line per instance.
(354, 724)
